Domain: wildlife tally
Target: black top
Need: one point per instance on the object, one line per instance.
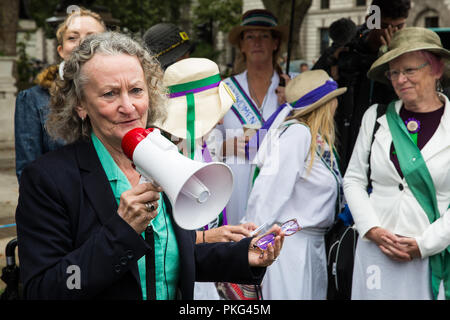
(429, 122)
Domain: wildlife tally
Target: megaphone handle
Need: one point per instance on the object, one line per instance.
(145, 179)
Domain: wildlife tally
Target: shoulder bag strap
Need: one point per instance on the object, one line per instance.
(381, 110)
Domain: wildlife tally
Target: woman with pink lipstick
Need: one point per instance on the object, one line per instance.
(404, 222)
(86, 228)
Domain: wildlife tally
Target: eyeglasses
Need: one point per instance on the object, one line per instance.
(408, 72)
(289, 228)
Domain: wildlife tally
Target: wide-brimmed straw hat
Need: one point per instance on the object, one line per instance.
(310, 90)
(167, 42)
(256, 20)
(408, 40)
(197, 95)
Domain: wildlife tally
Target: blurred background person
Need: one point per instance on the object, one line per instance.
(168, 43)
(304, 67)
(31, 137)
(341, 32)
(352, 67)
(258, 40)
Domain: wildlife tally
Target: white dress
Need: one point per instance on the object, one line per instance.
(284, 189)
(242, 169)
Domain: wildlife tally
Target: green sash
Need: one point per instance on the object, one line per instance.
(419, 180)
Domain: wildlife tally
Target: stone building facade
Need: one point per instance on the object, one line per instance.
(322, 13)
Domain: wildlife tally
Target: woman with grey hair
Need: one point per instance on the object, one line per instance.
(86, 227)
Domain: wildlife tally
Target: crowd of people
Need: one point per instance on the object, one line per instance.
(366, 129)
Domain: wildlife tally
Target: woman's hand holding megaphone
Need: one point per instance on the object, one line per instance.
(133, 208)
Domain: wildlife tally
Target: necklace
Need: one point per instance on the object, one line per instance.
(253, 94)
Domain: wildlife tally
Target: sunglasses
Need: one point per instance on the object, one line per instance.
(289, 228)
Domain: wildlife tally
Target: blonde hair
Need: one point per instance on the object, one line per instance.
(320, 121)
(63, 121)
(79, 13)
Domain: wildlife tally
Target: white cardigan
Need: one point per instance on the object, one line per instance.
(388, 206)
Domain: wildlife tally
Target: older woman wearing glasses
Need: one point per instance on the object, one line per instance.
(404, 222)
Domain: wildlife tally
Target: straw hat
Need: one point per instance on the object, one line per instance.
(310, 90)
(198, 78)
(408, 40)
(256, 20)
(167, 42)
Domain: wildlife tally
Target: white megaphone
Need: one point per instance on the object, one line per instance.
(197, 191)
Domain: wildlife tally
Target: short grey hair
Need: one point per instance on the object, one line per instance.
(66, 94)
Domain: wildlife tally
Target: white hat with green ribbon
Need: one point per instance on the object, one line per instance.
(198, 98)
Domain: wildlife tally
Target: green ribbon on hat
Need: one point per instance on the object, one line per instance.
(190, 124)
(419, 180)
(189, 89)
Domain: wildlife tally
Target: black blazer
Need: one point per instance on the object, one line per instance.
(67, 225)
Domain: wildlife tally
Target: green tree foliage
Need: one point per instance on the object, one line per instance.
(282, 10)
(139, 15)
(224, 13)
(202, 19)
(40, 11)
(210, 17)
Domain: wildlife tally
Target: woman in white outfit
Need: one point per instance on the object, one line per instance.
(191, 124)
(405, 222)
(258, 40)
(299, 178)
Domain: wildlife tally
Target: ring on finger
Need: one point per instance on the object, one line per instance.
(150, 206)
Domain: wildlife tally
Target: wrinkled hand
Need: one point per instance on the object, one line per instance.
(264, 258)
(410, 246)
(395, 247)
(132, 207)
(229, 233)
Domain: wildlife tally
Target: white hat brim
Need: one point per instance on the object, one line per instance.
(210, 107)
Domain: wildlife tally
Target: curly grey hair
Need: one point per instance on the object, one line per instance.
(63, 121)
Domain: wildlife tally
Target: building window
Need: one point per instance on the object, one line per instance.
(431, 22)
(360, 3)
(324, 39)
(324, 4)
